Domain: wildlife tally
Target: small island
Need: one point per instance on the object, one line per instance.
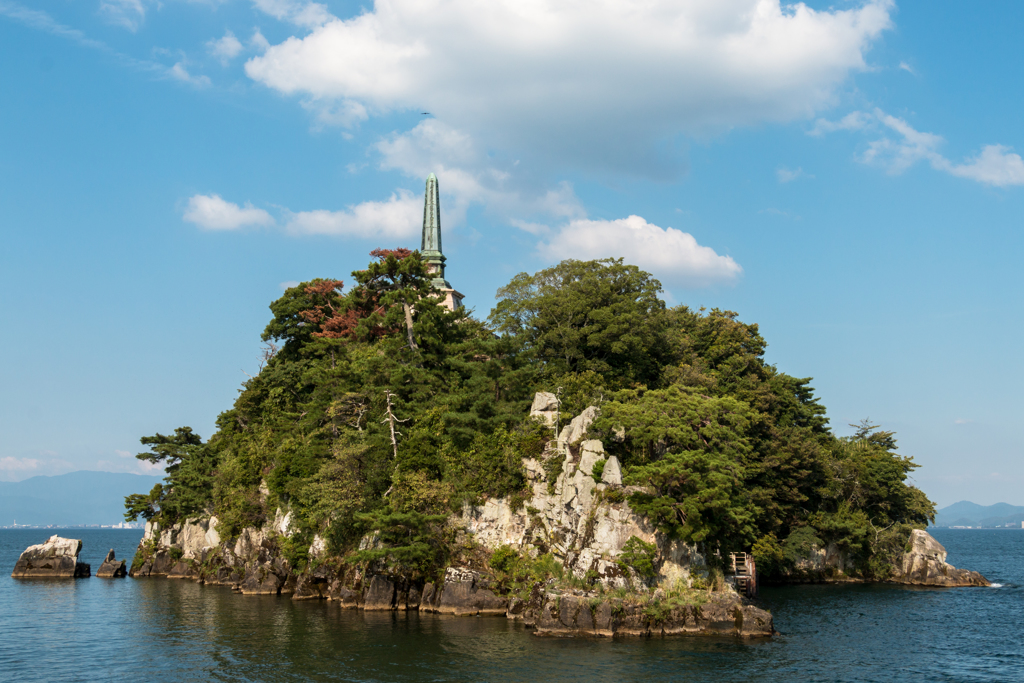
(587, 460)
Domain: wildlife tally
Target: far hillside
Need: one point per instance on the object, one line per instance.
(71, 499)
(966, 513)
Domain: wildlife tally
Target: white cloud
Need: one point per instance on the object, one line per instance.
(400, 217)
(180, 73)
(670, 254)
(213, 213)
(906, 67)
(995, 165)
(594, 84)
(9, 464)
(123, 454)
(305, 14)
(127, 13)
(225, 48)
(288, 284)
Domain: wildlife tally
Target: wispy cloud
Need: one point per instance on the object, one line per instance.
(42, 21)
(786, 175)
(225, 48)
(126, 13)
(179, 73)
(902, 146)
(304, 14)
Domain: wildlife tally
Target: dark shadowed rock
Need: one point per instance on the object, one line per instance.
(310, 587)
(112, 568)
(266, 578)
(343, 595)
(379, 594)
(428, 599)
(925, 565)
(182, 569)
(414, 596)
(57, 558)
(465, 592)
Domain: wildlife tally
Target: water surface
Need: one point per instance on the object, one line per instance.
(164, 630)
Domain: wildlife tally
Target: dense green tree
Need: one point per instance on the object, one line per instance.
(189, 467)
(601, 316)
(691, 452)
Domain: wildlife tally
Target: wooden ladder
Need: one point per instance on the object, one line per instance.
(745, 571)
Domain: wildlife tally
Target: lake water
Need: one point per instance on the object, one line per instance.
(162, 630)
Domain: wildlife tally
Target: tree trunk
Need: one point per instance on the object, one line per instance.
(408, 325)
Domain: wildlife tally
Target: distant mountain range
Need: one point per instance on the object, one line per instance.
(966, 513)
(71, 499)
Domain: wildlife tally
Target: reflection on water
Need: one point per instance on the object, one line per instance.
(159, 629)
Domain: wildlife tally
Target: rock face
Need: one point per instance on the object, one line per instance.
(545, 407)
(466, 593)
(925, 565)
(574, 432)
(111, 568)
(57, 558)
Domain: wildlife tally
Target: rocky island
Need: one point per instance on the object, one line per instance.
(586, 460)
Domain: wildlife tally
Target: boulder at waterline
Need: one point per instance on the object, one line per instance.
(57, 558)
(112, 568)
(925, 565)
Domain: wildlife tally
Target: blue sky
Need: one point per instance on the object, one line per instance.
(846, 175)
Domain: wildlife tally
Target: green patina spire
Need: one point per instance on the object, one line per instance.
(430, 249)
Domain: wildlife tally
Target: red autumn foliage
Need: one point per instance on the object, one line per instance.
(399, 253)
(335, 323)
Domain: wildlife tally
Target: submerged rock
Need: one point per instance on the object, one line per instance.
(112, 568)
(57, 558)
(722, 614)
(925, 565)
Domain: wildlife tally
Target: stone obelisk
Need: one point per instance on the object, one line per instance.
(430, 247)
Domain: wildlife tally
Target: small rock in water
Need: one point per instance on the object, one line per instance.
(112, 568)
(57, 558)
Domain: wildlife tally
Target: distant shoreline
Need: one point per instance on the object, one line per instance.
(75, 526)
(980, 528)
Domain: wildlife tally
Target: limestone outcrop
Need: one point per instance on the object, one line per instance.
(924, 564)
(56, 558)
(545, 408)
(583, 522)
(112, 568)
